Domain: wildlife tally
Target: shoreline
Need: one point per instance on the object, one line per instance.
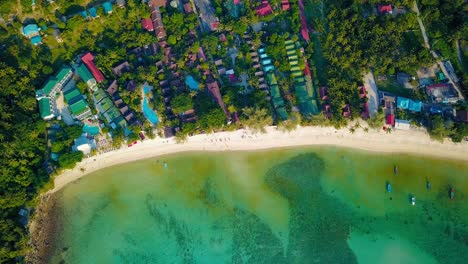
(46, 223)
(412, 142)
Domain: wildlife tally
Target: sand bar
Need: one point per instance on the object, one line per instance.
(413, 141)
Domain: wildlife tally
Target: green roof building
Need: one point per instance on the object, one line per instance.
(111, 114)
(45, 109)
(99, 95)
(64, 75)
(72, 96)
(48, 90)
(87, 77)
(104, 105)
(55, 83)
(80, 109)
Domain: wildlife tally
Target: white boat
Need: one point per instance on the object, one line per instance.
(413, 200)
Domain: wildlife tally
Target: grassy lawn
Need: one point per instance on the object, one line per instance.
(391, 85)
(313, 9)
(319, 63)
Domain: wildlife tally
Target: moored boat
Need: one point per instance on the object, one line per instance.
(428, 185)
(389, 187)
(395, 169)
(452, 193)
(412, 200)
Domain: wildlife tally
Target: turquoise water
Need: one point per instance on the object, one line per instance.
(190, 81)
(302, 205)
(147, 111)
(93, 130)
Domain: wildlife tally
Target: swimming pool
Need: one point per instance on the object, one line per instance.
(190, 81)
(147, 111)
(92, 130)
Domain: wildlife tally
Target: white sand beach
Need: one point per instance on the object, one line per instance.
(412, 141)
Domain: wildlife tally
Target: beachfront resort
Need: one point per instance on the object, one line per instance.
(198, 71)
(97, 83)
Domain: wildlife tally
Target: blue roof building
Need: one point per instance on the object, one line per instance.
(93, 12)
(84, 14)
(107, 7)
(30, 30)
(412, 105)
(36, 40)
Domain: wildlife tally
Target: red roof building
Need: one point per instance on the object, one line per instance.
(264, 9)
(462, 116)
(188, 8)
(327, 109)
(304, 28)
(236, 2)
(88, 60)
(158, 26)
(346, 111)
(158, 3)
(285, 5)
(390, 120)
(323, 93)
(147, 24)
(365, 111)
(213, 88)
(385, 9)
(362, 91)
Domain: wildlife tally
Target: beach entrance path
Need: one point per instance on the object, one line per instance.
(372, 93)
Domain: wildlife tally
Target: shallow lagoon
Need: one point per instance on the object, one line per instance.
(301, 205)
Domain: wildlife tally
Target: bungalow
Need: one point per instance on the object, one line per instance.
(113, 88)
(385, 9)
(156, 18)
(107, 7)
(390, 120)
(264, 9)
(188, 8)
(323, 93)
(285, 5)
(46, 108)
(121, 3)
(93, 12)
(121, 68)
(84, 144)
(169, 132)
(365, 111)
(327, 110)
(462, 116)
(362, 91)
(86, 76)
(88, 59)
(347, 111)
(147, 24)
(402, 124)
(55, 83)
(131, 86)
(213, 88)
(442, 93)
(84, 14)
(158, 3)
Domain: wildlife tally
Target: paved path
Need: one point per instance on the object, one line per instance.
(434, 54)
(372, 93)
